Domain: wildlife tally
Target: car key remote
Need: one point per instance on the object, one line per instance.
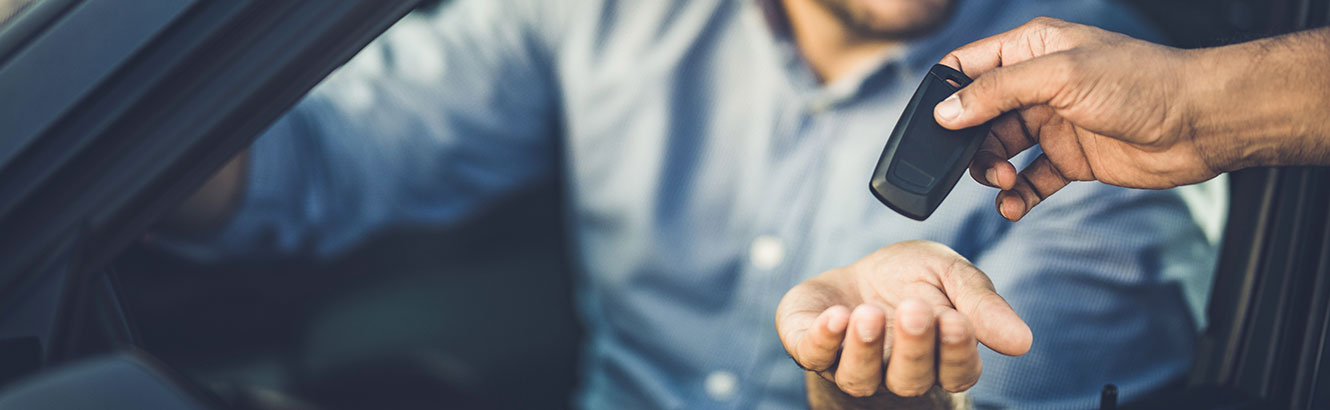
(922, 160)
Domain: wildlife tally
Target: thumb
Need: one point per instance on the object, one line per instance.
(1025, 84)
(996, 324)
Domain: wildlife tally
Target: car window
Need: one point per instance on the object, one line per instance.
(98, 138)
(10, 9)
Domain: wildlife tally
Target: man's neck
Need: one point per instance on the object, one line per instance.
(831, 49)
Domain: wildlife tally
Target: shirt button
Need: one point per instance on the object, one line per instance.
(767, 252)
(721, 385)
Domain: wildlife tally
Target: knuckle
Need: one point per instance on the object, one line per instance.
(916, 355)
(1041, 21)
(1049, 23)
(951, 59)
(963, 360)
(988, 301)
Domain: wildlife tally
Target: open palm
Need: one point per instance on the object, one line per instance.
(917, 305)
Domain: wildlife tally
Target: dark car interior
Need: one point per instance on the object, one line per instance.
(89, 306)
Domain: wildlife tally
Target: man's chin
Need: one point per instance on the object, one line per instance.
(892, 19)
(898, 32)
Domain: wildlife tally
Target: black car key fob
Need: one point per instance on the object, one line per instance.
(922, 160)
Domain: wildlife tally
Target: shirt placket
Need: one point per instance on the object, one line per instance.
(775, 251)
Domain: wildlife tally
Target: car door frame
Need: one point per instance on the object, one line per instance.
(137, 127)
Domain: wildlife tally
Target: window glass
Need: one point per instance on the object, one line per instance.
(10, 9)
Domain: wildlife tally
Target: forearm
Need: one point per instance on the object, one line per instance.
(1264, 102)
(824, 395)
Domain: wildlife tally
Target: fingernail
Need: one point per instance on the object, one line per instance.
(914, 324)
(869, 332)
(1009, 211)
(952, 334)
(836, 323)
(914, 318)
(949, 108)
(991, 174)
(1014, 210)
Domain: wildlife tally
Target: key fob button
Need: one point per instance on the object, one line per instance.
(909, 176)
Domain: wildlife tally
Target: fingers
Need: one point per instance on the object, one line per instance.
(995, 172)
(859, 372)
(1003, 89)
(1010, 135)
(1037, 182)
(996, 325)
(817, 349)
(806, 307)
(1039, 36)
(927, 349)
(958, 364)
(910, 371)
(1006, 138)
(982, 55)
(919, 359)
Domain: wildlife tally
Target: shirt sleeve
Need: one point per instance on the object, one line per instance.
(1098, 272)
(438, 116)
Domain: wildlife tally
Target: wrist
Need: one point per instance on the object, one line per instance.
(1221, 94)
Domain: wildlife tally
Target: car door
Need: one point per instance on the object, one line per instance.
(111, 112)
(1267, 340)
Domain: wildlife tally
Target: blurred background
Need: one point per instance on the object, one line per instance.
(391, 317)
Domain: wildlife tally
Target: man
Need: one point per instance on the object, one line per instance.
(716, 154)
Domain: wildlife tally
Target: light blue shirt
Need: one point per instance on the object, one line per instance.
(708, 171)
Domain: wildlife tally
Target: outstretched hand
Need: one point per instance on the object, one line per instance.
(906, 317)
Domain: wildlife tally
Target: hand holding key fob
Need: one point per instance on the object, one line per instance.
(922, 160)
